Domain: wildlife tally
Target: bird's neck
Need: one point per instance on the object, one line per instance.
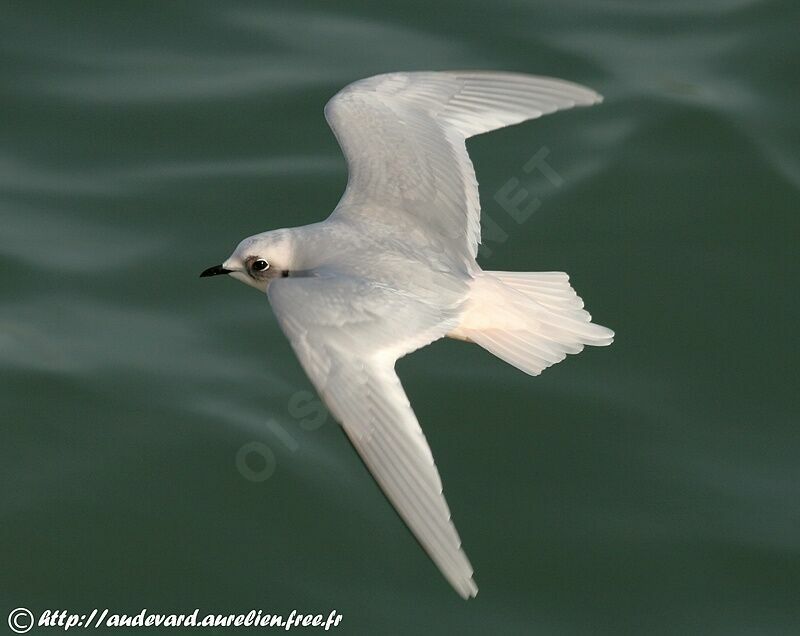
(310, 247)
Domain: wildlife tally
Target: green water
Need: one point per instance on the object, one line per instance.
(651, 487)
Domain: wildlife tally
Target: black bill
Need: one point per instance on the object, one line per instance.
(215, 271)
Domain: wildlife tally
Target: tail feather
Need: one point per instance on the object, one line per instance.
(551, 289)
(531, 320)
(520, 354)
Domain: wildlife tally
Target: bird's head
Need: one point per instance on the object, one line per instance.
(257, 260)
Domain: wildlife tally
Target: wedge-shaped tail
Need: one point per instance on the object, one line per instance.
(531, 320)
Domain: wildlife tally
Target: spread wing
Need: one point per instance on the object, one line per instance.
(348, 334)
(403, 135)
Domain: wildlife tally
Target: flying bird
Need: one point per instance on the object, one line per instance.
(393, 268)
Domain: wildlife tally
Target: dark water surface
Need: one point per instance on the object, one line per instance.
(652, 487)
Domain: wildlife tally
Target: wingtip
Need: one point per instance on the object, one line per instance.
(590, 98)
(467, 588)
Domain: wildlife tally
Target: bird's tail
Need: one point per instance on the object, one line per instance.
(532, 320)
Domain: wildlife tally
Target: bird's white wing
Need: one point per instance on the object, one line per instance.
(403, 135)
(348, 334)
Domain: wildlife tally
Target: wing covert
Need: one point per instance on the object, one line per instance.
(403, 136)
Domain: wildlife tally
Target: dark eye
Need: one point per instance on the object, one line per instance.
(260, 266)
